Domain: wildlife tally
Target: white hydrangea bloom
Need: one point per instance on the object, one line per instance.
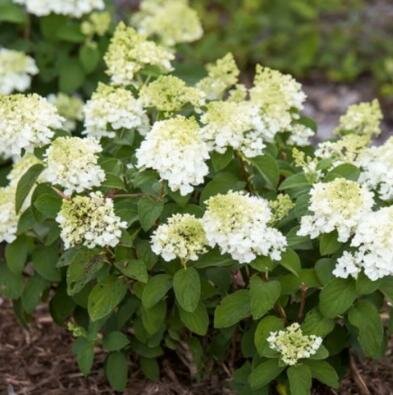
(74, 8)
(362, 119)
(293, 345)
(222, 74)
(175, 149)
(181, 237)
(238, 224)
(277, 95)
(172, 21)
(16, 70)
(111, 109)
(236, 125)
(8, 217)
(300, 135)
(89, 221)
(373, 248)
(72, 163)
(69, 107)
(129, 52)
(376, 164)
(345, 150)
(336, 205)
(26, 122)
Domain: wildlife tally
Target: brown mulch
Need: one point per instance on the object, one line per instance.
(39, 361)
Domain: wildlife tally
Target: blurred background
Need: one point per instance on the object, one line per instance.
(341, 50)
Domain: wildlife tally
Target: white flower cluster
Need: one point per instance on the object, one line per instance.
(336, 205)
(373, 248)
(300, 135)
(26, 122)
(362, 119)
(293, 345)
(8, 216)
(89, 221)
(221, 75)
(74, 8)
(376, 164)
(236, 125)
(129, 52)
(16, 69)
(181, 237)
(172, 21)
(111, 109)
(72, 164)
(69, 107)
(238, 224)
(175, 149)
(277, 96)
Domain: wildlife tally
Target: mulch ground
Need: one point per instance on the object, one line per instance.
(39, 361)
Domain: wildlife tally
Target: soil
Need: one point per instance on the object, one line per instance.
(39, 361)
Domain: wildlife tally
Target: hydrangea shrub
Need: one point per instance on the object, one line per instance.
(198, 222)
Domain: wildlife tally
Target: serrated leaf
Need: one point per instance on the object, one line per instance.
(220, 161)
(153, 318)
(197, 321)
(25, 185)
(105, 296)
(134, 268)
(48, 204)
(323, 372)
(337, 297)
(155, 289)
(16, 254)
(263, 296)
(84, 352)
(268, 168)
(149, 211)
(316, 324)
(264, 373)
(294, 181)
(232, 309)
(300, 379)
(291, 261)
(328, 243)
(187, 287)
(116, 370)
(115, 341)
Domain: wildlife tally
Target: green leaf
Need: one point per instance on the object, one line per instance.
(213, 259)
(33, 292)
(316, 324)
(48, 204)
(84, 352)
(264, 373)
(80, 272)
(25, 184)
(365, 286)
(134, 268)
(346, 170)
(221, 161)
(323, 372)
(365, 317)
(337, 297)
(153, 318)
(105, 296)
(268, 168)
(265, 326)
(61, 306)
(197, 321)
(150, 368)
(232, 309)
(300, 379)
(12, 13)
(71, 75)
(156, 289)
(291, 261)
(263, 296)
(221, 183)
(76, 254)
(116, 370)
(187, 287)
(294, 181)
(44, 262)
(16, 254)
(149, 211)
(328, 243)
(263, 264)
(115, 341)
(89, 56)
(11, 284)
(324, 270)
